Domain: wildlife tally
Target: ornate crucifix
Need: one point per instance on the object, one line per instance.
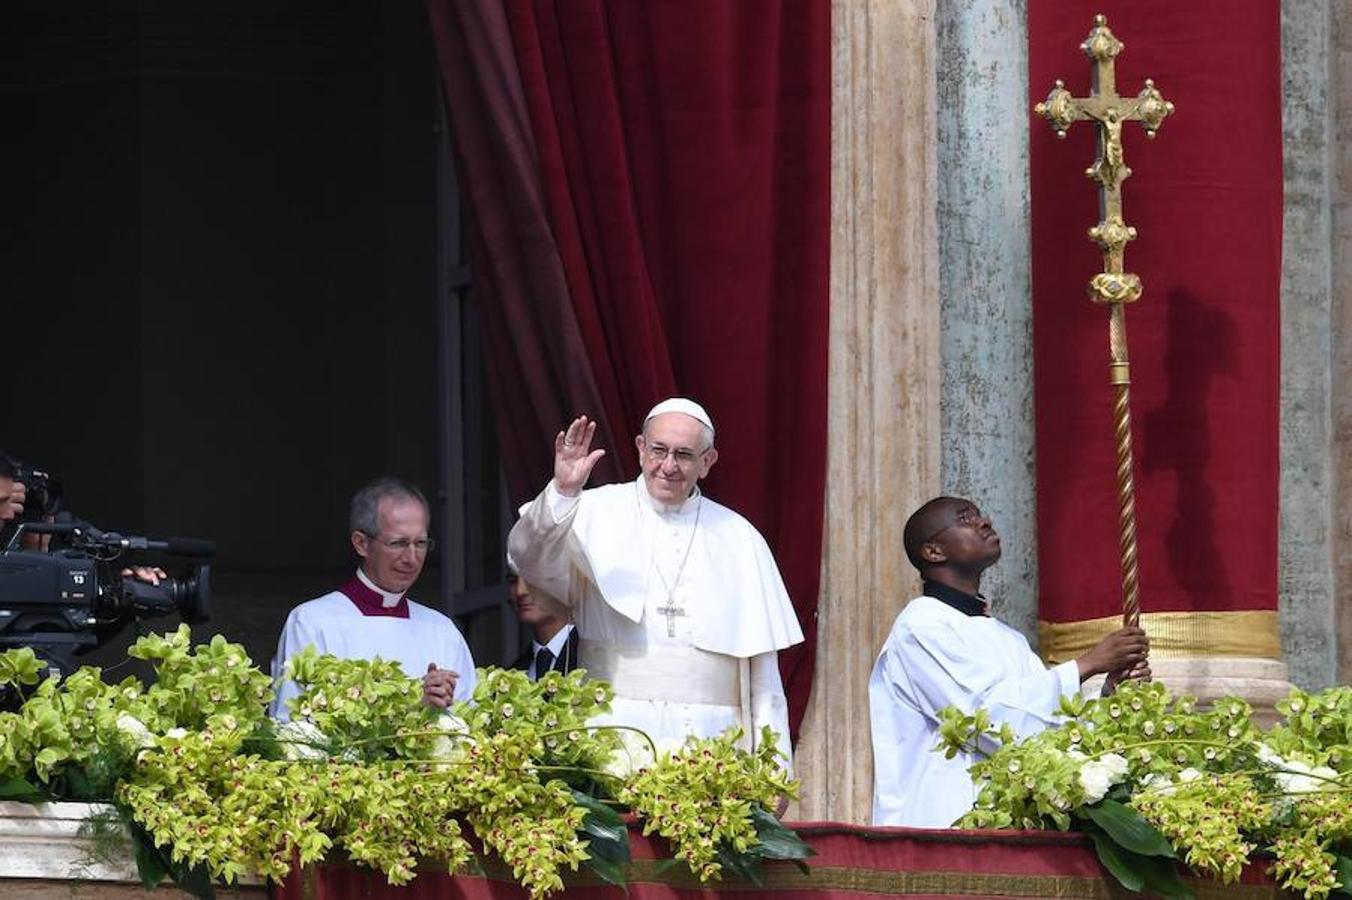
(1113, 287)
(671, 611)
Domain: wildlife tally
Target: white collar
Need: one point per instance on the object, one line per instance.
(387, 599)
(666, 509)
(556, 643)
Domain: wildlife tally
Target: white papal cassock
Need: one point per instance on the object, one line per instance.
(361, 621)
(938, 655)
(618, 558)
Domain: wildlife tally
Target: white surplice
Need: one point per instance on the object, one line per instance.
(334, 624)
(936, 656)
(619, 559)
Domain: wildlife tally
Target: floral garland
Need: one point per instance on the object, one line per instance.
(211, 789)
(1152, 778)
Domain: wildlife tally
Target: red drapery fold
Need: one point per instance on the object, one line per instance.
(1206, 198)
(539, 373)
(683, 159)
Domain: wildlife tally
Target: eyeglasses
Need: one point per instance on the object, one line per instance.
(968, 516)
(401, 545)
(684, 458)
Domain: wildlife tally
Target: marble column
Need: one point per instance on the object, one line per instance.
(884, 375)
(1309, 502)
(1340, 184)
(986, 308)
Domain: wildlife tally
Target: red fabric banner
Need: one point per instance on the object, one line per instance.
(851, 862)
(1206, 198)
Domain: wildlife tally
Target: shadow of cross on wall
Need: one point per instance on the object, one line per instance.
(1200, 346)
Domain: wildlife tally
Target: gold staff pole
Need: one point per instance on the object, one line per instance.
(1113, 287)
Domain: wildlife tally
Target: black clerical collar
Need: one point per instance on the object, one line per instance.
(963, 602)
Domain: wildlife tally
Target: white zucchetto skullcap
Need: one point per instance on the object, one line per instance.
(682, 405)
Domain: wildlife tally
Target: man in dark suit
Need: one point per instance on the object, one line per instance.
(553, 646)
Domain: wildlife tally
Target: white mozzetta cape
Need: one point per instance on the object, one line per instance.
(604, 541)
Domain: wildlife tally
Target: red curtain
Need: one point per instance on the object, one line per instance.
(680, 152)
(1206, 197)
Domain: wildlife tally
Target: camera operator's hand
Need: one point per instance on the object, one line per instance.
(439, 686)
(148, 574)
(12, 497)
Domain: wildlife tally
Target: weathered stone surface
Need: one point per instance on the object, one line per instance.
(985, 285)
(1306, 587)
(46, 854)
(1340, 69)
(884, 375)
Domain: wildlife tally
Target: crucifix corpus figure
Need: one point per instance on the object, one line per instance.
(677, 599)
(1114, 287)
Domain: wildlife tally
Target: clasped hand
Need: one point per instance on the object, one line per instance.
(439, 686)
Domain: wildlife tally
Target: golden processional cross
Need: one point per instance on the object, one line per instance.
(1113, 287)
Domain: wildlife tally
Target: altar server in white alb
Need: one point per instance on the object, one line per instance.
(371, 615)
(946, 650)
(677, 599)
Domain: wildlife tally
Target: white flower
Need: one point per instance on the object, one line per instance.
(1301, 779)
(1268, 757)
(453, 730)
(137, 734)
(177, 734)
(1094, 782)
(1188, 774)
(1116, 764)
(1155, 783)
(300, 739)
(1098, 775)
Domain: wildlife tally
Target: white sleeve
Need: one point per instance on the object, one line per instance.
(462, 661)
(768, 704)
(294, 638)
(540, 543)
(942, 672)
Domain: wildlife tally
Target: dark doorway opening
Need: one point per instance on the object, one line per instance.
(233, 293)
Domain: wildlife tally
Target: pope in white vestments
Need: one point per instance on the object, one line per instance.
(946, 650)
(676, 598)
(372, 615)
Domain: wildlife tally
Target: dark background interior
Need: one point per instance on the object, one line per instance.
(224, 275)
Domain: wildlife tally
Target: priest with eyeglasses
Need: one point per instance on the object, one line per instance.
(372, 615)
(677, 599)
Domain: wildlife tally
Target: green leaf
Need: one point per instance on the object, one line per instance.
(1343, 871)
(1161, 877)
(1117, 861)
(607, 833)
(195, 881)
(776, 840)
(149, 864)
(22, 791)
(609, 871)
(1131, 832)
(747, 865)
(598, 810)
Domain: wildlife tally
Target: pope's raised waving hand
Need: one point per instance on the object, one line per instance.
(573, 457)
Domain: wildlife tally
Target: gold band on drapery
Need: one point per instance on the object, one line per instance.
(1250, 633)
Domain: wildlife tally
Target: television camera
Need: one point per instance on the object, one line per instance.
(73, 596)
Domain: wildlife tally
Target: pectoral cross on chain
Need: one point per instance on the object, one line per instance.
(1114, 287)
(671, 611)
